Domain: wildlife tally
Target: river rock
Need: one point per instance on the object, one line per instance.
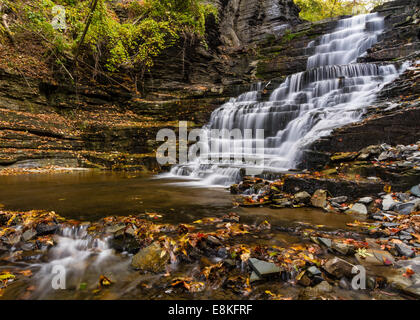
(325, 241)
(339, 200)
(263, 268)
(365, 200)
(404, 208)
(388, 203)
(13, 239)
(376, 257)
(409, 285)
(28, 235)
(343, 248)
(338, 267)
(316, 292)
(254, 277)
(319, 199)
(416, 190)
(313, 271)
(405, 250)
(302, 197)
(125, 243)
(358, 208)
(152, 258)
(344, 284)
(115, 228)
(43, 229)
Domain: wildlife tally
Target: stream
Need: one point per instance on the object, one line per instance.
(91, 195)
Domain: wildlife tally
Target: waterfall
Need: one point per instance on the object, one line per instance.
(332, 92)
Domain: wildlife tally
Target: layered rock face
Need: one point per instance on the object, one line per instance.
(247, 21)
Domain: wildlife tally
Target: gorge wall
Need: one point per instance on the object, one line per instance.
(107, 126)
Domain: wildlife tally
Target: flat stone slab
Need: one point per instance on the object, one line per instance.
(263, 268)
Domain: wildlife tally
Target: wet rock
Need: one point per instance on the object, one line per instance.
(254, 277)
(28, 235)
(319, 199)
(316, 292)
(405, 250)
(28, 246)
(403, 196)
(339, 200)
(125, 243)
(313, 271)
(365, 200)
(152, 258)
(358, 208)
(338, 267)
(263, 268)
(302, 197)
(305, 281)
(43, 229)
(344, 284)
(404, 208)
(416, 190)
(325, 241)
(376, 258)
(13, 239)
(130, 231)
(213, 241)
(408, 285)
(343, 248)
(115, 228)
(281, 203)
(388, 203)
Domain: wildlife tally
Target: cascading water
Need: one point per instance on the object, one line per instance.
(332, 92)
(80, 256)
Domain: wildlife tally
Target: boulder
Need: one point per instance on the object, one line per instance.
(319, 199)
(152, 258)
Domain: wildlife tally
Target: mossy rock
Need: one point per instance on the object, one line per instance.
(152, 258)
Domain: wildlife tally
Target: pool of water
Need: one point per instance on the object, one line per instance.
(91, 195)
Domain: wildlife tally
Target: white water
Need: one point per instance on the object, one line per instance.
(80, 256)
(332, 92)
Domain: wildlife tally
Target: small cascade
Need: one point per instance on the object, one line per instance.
(79, 255)
(332, 92)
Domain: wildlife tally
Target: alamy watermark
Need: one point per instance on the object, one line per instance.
(212, 146)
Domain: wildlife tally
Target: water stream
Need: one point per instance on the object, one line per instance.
(332, 92)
